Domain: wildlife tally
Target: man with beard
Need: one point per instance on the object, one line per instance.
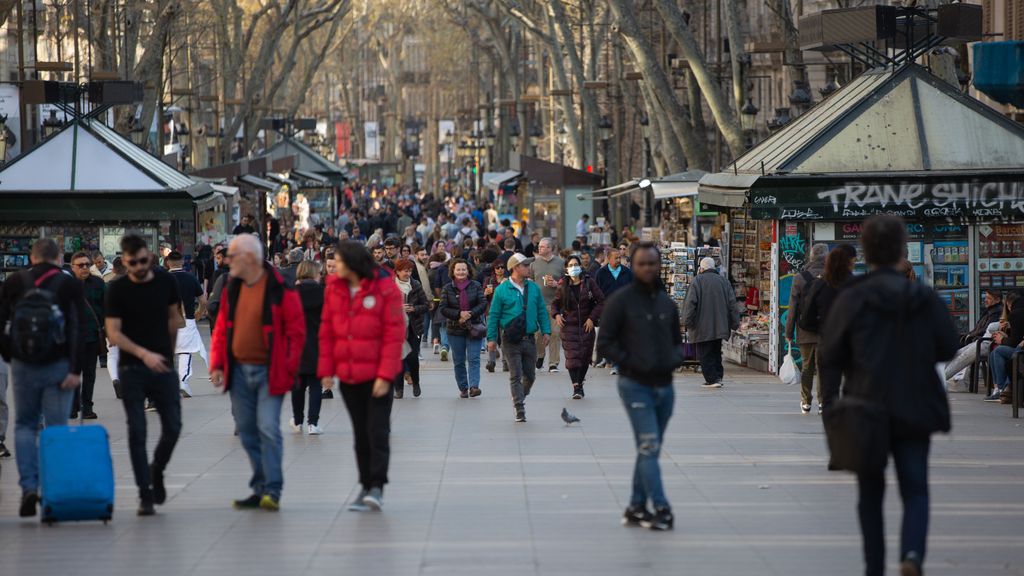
(143, 318)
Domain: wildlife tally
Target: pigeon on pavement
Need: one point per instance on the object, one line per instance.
(567, 417)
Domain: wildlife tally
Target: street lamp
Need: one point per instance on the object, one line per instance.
(800, 97)
(51, 125)
(829, 88)
(780, 119)
(748, 120)
(563, 139)
(535, 135)
(605, 127)
(645, 128)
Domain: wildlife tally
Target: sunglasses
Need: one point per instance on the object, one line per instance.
(137, 261)
(81, 265)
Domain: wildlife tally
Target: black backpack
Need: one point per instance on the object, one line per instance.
(36, 327)
(811, 311)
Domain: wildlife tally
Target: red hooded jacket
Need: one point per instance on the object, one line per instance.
(361, 336)
(284, 331)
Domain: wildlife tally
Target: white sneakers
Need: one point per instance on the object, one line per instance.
(311, 429)
(805, 408)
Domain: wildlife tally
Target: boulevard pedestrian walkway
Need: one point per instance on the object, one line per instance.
(474, 493)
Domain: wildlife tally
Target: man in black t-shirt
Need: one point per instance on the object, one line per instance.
(189, 341)
(143, 319)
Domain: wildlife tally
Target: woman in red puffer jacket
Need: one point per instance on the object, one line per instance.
(362, 329)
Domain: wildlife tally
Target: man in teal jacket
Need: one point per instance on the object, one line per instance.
(506, 306)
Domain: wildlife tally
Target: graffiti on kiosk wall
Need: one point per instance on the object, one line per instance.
(794, 251)
(941, 199)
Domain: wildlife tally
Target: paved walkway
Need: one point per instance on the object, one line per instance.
(474, 493)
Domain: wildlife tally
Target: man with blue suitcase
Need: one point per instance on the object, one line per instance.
(41, 342)
(143, 317)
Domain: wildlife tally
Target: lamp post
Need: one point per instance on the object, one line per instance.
(514, 132)
(748, 121)
(648, 191)
(780, 119)
(184, 137)
(605, 131)
(489, 139)
(563, 140)
(535, 135)
(51, 124)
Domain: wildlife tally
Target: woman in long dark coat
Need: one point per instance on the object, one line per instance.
(576, 309)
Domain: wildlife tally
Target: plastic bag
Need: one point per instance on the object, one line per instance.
(789, 373)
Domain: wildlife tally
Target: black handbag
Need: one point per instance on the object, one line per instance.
(515, 330)
(857, 432)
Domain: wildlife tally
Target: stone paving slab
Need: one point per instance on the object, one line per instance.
(474, 493)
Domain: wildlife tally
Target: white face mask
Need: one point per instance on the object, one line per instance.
(575, 271)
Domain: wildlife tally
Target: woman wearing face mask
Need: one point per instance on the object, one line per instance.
(576, 309)
(462, 305)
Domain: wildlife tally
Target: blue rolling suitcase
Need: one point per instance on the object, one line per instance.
(76, 474)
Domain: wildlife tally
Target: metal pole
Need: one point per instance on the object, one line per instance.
(21, 76)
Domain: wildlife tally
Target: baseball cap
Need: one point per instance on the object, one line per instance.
(517, 259)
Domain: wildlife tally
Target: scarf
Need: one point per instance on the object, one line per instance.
(405, 287)
(461, 285)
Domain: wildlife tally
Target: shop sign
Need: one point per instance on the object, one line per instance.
(973, 199)
(915, 230)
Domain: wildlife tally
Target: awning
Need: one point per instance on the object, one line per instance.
(494, 180)
(725, 189)
(311, 177)
(226, 191)
(257, 182)
(679, 185)
(278, 177)
(209, 202)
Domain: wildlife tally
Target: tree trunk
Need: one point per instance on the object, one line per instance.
(659, 87)
(725, 118)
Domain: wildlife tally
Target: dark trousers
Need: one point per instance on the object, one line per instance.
(411, 363)
(578, 375)
(83, 396)
(710, 353)
(302, 382)
(140, 383)
(371, 426)
(911, 459)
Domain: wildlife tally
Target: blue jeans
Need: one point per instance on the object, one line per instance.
(465, 348)
(37, 394)
(911, 459)
(649, 409)
(258, 417)
(999, 360)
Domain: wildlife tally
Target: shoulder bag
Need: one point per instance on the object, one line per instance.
(515, 331)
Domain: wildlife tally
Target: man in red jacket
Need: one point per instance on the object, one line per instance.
(258, 343)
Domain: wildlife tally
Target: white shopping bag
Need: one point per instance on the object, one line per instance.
(788, 373)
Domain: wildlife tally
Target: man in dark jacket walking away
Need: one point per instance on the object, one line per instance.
(255, 354)
(885, 336)
(710, 314)
(640, 334)
(806, 340)
(43, 384)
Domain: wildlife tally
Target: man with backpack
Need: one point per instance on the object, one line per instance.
(40, 316)
(806, 340)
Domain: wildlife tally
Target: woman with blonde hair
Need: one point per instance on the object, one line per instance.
(311, 294)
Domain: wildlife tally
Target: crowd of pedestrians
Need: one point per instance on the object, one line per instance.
(355, 304)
